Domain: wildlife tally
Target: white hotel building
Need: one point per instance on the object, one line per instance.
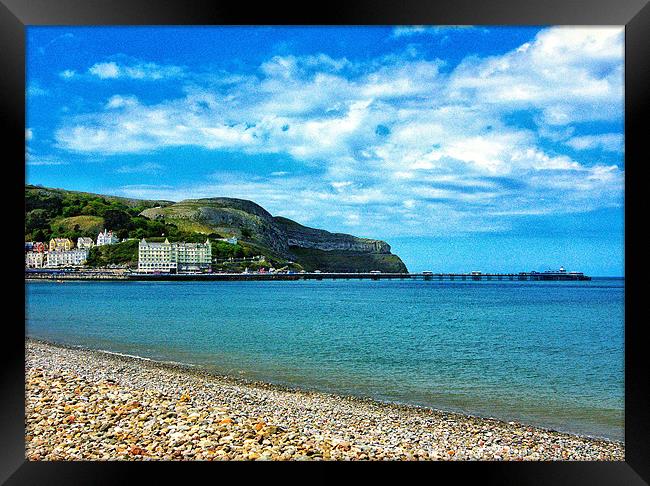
(174, 257)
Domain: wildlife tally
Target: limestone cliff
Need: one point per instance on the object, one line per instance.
(313, 248)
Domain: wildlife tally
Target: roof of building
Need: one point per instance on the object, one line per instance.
(144, 242)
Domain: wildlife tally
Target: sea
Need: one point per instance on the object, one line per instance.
(548, 354)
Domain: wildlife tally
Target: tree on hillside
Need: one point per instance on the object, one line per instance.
(116, 219)
(36, 219)
(72, 210)
(94, 208)
(40, 235)
(52, 203)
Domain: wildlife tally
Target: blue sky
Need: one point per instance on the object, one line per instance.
(466, 148)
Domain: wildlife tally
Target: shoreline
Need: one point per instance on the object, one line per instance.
(99, 274)
(183, 412)
(200, 372)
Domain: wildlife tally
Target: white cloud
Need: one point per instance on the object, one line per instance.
(34, 89)
(32, 159)
(392, 139)
(610, 142)
(67, 74)
(569, 74)
(140, 70)
(142, 168)
(414, 30)
(117, 101)
(105, 70)
(288, 66)
(409, 30)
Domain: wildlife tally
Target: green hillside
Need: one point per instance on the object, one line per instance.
(274, 241)
(86, 225)
(57, 213)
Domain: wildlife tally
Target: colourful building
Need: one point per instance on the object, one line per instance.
(61, 244)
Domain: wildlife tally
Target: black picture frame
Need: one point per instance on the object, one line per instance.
(15, 15)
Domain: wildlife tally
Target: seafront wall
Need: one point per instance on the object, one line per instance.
(83, 275)
(76, 275)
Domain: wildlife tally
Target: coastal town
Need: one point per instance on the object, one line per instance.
(62, 252)
(153, 257)
(195, 259)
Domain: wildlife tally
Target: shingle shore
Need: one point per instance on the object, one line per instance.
(90, 405)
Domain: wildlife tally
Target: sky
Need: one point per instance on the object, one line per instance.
(465, 148)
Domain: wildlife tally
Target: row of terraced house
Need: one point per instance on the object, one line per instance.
(62, 252)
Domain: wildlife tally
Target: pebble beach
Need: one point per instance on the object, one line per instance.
(90, 405)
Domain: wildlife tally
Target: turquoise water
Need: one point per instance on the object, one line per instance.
(544, 353)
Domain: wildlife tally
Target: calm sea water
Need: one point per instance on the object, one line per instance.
(545, 353)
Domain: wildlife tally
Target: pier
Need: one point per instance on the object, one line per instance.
(473, 276)
(524, 276)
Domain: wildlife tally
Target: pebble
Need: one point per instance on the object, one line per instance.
(88, 405)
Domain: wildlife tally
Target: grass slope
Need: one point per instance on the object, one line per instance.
(86, 224)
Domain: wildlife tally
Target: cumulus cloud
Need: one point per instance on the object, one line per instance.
(568, 74)
(394, 142)
(105, 70)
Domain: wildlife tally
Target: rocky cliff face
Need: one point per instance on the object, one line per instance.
(251, 222)
(305, 237)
